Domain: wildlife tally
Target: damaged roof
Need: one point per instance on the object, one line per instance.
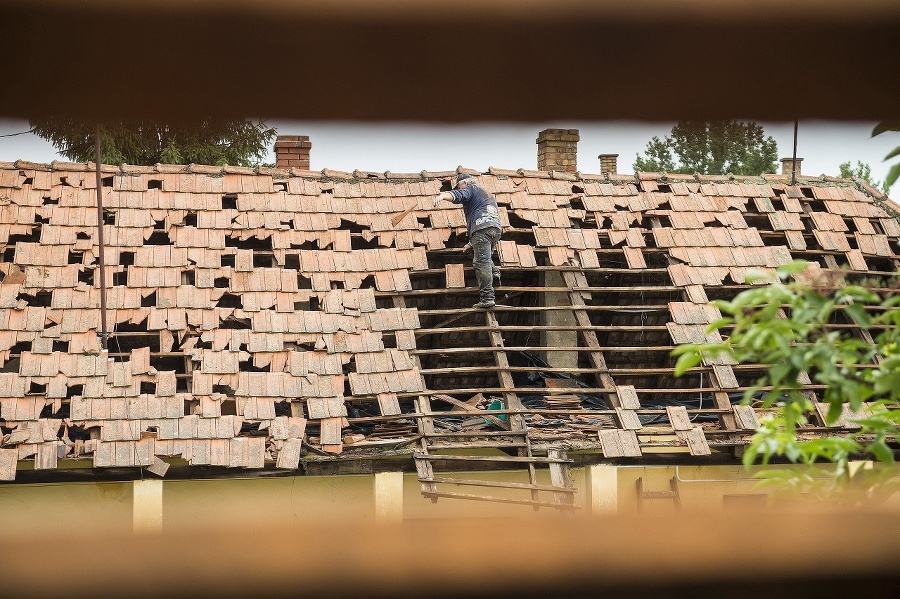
(263, 317)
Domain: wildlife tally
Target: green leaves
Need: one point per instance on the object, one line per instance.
(894, 173)
(786, 327)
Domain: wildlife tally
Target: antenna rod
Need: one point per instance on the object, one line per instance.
(794, 159)
(102, 334)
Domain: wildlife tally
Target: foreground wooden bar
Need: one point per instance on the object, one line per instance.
(808, 553)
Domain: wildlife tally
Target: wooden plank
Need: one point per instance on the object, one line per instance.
(481, 433)
(745, 417)
(560, 478)
(477, 445)
(500, 500)
(501, 484)
(468, 408)
(629, 419)
(511, 400)
(589, 336)
(487, 458)
(678, 418)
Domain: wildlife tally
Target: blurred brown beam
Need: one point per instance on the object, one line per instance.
(525, 60)
(798, 554)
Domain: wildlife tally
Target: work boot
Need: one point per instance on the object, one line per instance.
(484, 305)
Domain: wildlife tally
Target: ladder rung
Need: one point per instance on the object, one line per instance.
(485, 458)
(658, 494)
(493, 483)
(514, 445)
(562, 506)
(477, 434)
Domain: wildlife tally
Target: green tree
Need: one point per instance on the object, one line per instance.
(894, 173)
(235, 142)
(862, 171)
(784, 327)
(711, 148)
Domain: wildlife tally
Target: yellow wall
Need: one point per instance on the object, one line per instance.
(245, 503)
(66, 507)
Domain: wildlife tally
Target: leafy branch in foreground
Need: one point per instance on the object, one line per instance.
(784, 327)
(894, 173)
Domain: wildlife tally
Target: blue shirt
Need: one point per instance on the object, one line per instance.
(479, 206)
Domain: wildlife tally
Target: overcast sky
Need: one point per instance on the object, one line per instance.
(412, 147)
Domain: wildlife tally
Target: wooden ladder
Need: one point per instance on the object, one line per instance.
(513, 437)
(433, 486)
(670, 494)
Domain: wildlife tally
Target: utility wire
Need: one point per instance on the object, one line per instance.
(19, 133)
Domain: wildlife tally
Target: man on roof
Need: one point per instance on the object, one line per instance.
(483, 223)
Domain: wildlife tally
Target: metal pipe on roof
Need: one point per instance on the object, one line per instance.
(100, 245)
(794, 157)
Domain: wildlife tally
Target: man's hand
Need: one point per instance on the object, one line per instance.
(442, 196)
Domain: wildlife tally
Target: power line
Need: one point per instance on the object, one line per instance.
(19, 133)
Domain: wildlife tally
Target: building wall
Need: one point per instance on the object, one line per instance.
(286, 502)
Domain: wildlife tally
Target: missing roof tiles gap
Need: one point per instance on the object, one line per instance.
(158, 238)
(155, 184)
(230, 300)
(229, 202)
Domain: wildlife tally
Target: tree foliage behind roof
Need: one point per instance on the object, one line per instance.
(235, 142)
(711, 148)
(861, 171)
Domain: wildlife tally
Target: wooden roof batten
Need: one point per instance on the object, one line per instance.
(268, 319)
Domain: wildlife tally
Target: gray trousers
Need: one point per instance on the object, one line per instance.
(483, 243)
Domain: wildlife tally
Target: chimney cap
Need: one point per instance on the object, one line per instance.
(608, 156)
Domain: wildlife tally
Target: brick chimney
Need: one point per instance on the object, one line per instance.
(787, 165)
(292, 151)
(558, 150)
(609, 164)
